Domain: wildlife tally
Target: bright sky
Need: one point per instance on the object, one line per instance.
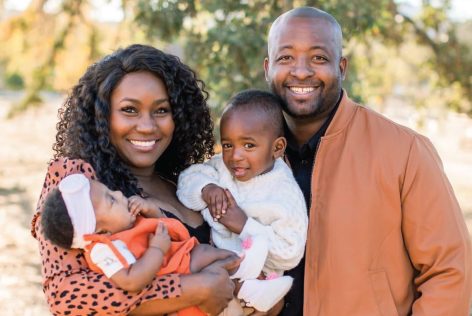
(461, 9)
(105, 10)
(110, 10)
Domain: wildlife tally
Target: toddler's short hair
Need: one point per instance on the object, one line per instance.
(259, 100)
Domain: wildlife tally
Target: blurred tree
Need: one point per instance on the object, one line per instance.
(226, 41)
(35, 20)
(50, 47)
(451, 60)
(43, 72)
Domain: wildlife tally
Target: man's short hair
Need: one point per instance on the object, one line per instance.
(310, 13)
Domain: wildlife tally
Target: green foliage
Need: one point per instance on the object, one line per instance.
(226, 41)
(14, 81)
(225, 44)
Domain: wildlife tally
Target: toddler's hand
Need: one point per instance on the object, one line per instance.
(215, 197)
(235, 218)
(160, 239)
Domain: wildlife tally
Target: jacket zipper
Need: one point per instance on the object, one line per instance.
(313, 171)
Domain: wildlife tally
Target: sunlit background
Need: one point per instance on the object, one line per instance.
(409, 59)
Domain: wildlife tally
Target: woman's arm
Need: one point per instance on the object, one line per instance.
(210, 290)
(66, 276)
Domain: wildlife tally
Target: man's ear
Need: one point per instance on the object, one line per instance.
(279, 146)
(343, 67)
(266, 68)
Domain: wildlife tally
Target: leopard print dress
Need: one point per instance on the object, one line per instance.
(71, 288)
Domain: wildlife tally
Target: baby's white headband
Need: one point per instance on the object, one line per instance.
(75, 190)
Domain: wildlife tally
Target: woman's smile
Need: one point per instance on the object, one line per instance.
(144, 145)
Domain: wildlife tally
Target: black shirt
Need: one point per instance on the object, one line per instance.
(301, 161)
(202, 232)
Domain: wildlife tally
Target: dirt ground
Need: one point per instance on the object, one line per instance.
(25, 148)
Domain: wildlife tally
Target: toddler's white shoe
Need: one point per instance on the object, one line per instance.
(264, 294)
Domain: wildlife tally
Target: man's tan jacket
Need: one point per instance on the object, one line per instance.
(386, 234)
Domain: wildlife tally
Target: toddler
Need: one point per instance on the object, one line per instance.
(249, 196)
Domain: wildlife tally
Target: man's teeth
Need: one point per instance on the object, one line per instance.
(302, 89)
(143, 143)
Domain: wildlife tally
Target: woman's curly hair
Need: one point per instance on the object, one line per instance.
(84, 119)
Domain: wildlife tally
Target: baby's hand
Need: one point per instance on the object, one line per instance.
(215, 197)
(138, 205)
(160, 239)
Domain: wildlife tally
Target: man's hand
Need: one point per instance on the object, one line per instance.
(234, 218)
(215, 197)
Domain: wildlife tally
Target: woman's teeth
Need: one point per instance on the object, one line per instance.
(141, 143)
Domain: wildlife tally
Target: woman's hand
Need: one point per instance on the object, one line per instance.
(219, 288)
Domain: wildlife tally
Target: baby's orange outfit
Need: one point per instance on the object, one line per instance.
(176, 260)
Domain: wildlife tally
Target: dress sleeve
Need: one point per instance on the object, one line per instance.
(71, 288)
(435, 235)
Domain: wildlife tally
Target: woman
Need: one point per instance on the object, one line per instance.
(134, 121)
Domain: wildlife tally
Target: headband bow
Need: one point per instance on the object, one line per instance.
(75, 190)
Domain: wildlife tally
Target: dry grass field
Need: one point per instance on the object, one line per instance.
(25, 148)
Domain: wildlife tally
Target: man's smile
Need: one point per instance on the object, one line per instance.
(301, 90)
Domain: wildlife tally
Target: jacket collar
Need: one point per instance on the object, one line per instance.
(343, 116)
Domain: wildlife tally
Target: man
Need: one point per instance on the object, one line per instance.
(386, 234)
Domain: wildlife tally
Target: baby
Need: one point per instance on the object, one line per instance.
(129, 249)
(249, 196)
